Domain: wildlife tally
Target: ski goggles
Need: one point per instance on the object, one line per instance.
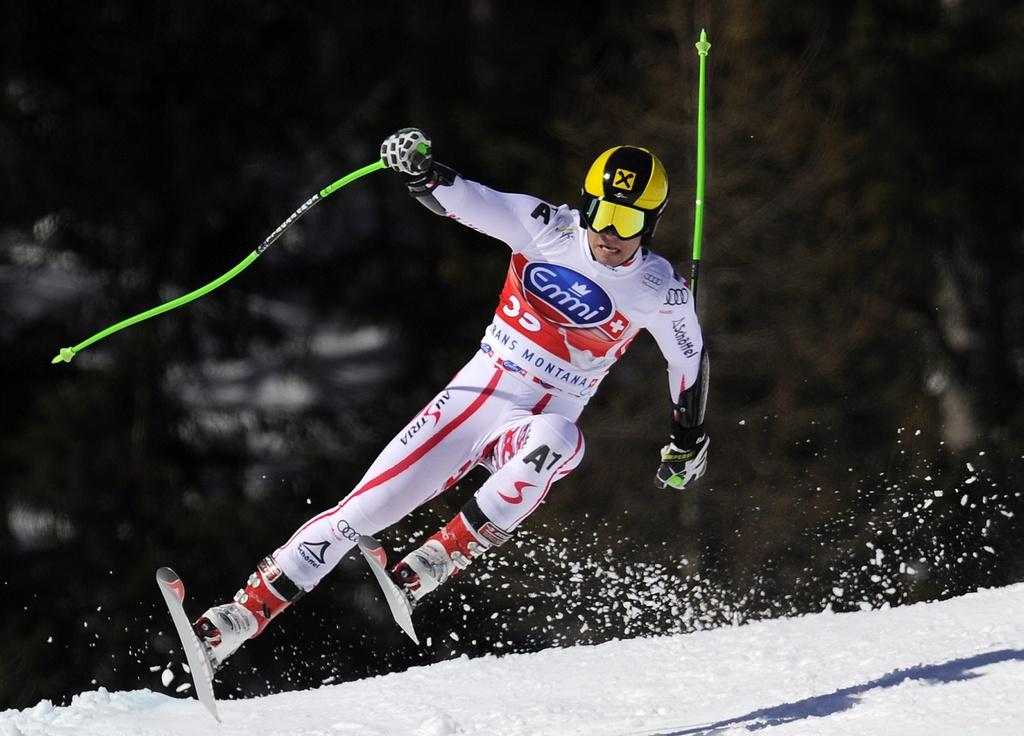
(626, 221)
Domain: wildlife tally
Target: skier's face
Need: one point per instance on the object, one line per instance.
(609, 249)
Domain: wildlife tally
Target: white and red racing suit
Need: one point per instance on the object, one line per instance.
(562, 321)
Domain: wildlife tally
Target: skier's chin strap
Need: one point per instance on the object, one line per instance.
(422, 187)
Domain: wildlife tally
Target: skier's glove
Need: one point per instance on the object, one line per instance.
(408, 152)
(682, 467)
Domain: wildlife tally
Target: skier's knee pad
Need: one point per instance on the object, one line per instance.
(553, 447)
(561, 437)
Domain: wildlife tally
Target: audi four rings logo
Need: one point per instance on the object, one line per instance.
(676, 297)
(565, 297)
(346, 531)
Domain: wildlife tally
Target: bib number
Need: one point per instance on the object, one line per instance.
(526, 320)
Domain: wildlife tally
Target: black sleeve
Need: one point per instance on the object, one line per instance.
(688, 413)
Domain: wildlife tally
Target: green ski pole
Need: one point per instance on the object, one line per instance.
(66, 354)
(703, 47)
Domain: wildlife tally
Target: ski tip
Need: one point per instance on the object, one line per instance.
(166, 575)
(169, 580)
(371, 548)
(368, 543)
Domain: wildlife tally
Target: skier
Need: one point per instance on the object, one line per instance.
(580, 286)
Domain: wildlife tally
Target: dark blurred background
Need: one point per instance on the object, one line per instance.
(861, 296)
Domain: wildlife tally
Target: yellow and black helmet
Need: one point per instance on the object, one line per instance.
(626, 189)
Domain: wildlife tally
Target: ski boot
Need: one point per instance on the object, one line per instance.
(223, 629)
(446, 553)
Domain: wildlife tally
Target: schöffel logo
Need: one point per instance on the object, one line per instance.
(565, 297)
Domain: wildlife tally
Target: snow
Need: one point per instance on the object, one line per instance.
(950, 667)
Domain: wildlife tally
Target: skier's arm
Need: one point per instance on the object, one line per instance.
(511, 218)
(677, 332)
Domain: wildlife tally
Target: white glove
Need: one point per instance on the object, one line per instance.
(408, 152)
(682, 468)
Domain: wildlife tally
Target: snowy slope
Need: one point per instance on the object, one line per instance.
(953, 667)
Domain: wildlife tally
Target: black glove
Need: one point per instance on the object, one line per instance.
(408, 152)
(684, 459)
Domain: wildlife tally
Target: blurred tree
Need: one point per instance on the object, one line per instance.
(860, 298)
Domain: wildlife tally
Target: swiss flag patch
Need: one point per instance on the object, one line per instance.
(616, 327)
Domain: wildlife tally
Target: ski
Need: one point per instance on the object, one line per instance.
(400, 607)
(199, 664)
